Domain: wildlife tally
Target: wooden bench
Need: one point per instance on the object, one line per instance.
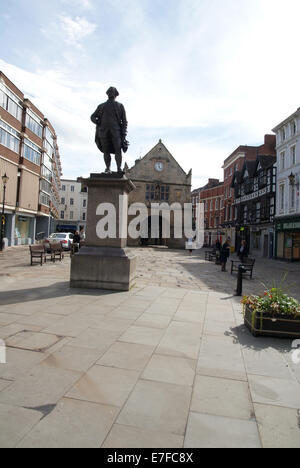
(56, 251)
(248, 265)
(210, 255)
(37, 251)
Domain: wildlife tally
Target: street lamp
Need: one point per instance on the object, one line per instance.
(5, 179)
(292, 179)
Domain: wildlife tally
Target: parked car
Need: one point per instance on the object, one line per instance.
(65, 238)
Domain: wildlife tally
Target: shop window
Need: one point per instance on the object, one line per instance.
(280, 245)
(282, 160)
(281, 197)
(293, 155)
(293, 198)
(296, 246)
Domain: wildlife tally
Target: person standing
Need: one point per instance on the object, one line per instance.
(243, 251)
(225, 254)
(190, 245)
(218, 247)
(82, 235)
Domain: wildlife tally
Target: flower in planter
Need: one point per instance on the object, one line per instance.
(273, 302)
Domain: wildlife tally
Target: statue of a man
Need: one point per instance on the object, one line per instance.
(111, 131)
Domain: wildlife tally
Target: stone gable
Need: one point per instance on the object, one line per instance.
(170, 173)
(159, 179)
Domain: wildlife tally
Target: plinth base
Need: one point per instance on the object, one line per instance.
(103, 268)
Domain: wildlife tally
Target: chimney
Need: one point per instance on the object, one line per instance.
(270, 140)
(213, 182)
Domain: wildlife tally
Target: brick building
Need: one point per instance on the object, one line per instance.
(212, 196)
(29, 156)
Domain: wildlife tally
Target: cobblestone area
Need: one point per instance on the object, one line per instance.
(171, 268)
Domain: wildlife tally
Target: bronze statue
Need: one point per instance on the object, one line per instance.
(111, 131)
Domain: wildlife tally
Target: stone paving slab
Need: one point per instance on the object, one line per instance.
(64, 428)
(168, 364)
(278, 426)
(15, 423)
(131, 437)
(152, 406)
(208, 431)
(106, 385)
(41, 386)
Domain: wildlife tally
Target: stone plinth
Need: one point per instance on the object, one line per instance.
(105, 262)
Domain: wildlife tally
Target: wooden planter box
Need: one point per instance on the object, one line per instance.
(262, 324)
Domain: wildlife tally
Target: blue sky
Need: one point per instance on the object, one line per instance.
(203, 75)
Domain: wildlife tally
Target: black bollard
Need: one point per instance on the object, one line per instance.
(239, 287)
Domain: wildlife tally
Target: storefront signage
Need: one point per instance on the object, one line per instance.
(287, 226)
(291, 225)
(22, 219)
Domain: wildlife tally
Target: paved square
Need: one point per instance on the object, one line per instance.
(168, 364)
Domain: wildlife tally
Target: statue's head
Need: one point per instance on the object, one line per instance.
(112, 92)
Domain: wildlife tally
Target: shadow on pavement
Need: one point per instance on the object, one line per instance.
(241, 335)
(54, 291)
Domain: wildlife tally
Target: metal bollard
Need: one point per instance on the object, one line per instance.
(239, 287)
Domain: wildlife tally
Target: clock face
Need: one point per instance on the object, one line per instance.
(159, 166)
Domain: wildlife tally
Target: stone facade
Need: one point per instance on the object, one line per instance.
(159, 179)
(288, 188)
(73, 206)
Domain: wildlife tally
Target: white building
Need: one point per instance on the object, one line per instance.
(288, 185)
(73, 206)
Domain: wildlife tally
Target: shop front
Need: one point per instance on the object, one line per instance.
(24, 230)
(8, 228)
(262, 241)
(288, 239)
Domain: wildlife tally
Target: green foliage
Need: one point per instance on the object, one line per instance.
(274, 302)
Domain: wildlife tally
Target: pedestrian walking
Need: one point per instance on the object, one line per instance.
(82, 234)
(76, 242)
(243, 251)
(190, 245)
(225, 254)
(218, 247)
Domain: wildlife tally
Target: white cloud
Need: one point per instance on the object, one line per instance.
(227, 70)
(84, 4)
(72, 30)
(76, 30)
(68, 106)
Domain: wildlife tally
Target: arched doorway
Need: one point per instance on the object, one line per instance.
(151, 241)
